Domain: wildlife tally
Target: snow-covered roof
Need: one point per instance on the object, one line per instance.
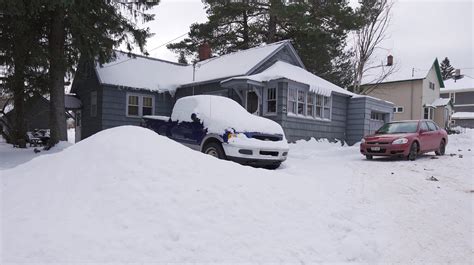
(159, 75)
(398, 72)
(463, 115)
(143, 73)
(282, 69)
(464, 84)
(440, 102)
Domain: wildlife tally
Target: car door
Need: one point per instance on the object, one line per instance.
(424, 137)
(435, 135)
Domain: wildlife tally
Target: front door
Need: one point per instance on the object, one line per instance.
(252, 102)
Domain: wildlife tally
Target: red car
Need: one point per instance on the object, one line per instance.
(405, 139)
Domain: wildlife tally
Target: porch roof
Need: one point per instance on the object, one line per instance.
(285, 70)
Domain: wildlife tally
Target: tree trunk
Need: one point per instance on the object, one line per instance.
(272, 22)
(18, 84)
(245, 33)
(57, 71)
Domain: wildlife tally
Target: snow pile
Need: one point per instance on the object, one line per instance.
(219, 114)
(282, 69)
(151, 200)
(463, 115)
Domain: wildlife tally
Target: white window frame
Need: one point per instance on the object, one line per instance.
(395, 109)
(298, 102)
(305, 105)
(266, 100)
(430, 113)
(140, 104)
(295, 110)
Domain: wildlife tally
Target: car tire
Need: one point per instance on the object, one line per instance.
(369, 157)
(214, 149)
(442, 148)
(273, 166)
(413, 152)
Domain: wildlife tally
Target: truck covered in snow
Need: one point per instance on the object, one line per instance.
(220, 127)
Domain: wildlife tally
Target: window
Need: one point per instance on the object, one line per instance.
(319, 106)
(424, 127)
(310, 105)
(377, 116)
(132, 108)
(452, 96)
(432, 86)
(139, 105)
(271, 100)
(428, 113)
(432, 126)
(292, 100)
(397, 109)
(301, 102)
(327, 108)
(94, 104)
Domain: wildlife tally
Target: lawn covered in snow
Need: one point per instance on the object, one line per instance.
(149, 199)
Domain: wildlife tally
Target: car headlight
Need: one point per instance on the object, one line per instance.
(362, 141)
(235, 135)
(400, 141)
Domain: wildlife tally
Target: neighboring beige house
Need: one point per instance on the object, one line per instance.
(415, 93)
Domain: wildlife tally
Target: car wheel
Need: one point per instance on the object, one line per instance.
(214, 149)
(369, 157)
(413, 151)
(442, 148)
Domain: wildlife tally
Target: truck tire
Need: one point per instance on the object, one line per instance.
(214, 149)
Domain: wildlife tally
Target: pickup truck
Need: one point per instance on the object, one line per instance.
(221, 127)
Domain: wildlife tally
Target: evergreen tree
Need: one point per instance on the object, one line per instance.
(88, 29)
(447, 71)
(318, 29)
(182, 58)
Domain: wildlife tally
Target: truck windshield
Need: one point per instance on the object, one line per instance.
(398, 127)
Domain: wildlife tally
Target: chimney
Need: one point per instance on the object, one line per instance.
(457, 73)
(389, 60)
(204, 51)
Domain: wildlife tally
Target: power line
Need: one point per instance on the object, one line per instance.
(157, 47)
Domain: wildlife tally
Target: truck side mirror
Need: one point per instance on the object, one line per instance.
(194, 118)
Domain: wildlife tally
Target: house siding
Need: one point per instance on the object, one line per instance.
(297, 128)
(462, 98)
(407, 94)
(359, 122)
(85, 82)
(114, 106)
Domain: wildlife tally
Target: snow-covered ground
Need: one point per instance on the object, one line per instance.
(149, 199)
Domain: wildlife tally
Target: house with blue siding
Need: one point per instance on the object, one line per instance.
(269, 81)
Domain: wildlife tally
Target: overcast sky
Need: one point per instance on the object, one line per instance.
(421, 30)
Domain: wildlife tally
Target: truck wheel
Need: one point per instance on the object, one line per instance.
(214, 149)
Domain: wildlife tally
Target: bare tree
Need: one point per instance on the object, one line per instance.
(375, 18)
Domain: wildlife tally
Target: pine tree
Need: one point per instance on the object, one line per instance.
(71, 35)
(447, 71)
(318, 29)
(182, 58)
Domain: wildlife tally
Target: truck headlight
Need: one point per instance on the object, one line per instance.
(400, 141)
(235, 135)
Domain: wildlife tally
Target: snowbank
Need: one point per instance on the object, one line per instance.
(149, 199)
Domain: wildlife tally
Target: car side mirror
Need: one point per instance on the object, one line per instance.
(423, 131)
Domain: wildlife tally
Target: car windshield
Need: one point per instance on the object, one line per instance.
(398, 127)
